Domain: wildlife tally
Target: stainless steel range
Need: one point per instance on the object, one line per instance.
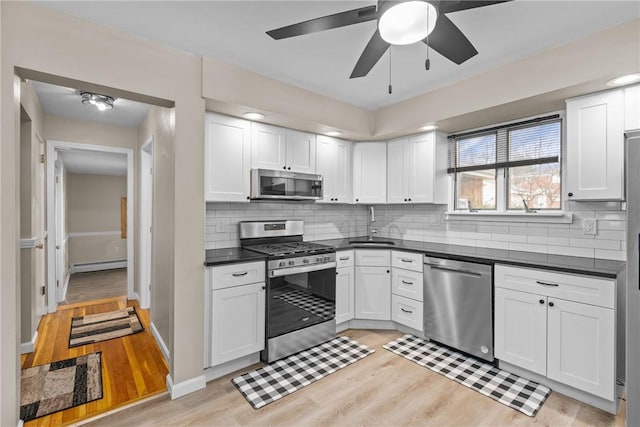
(301, 286)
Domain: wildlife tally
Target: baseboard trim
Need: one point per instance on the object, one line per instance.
(98, 266)
(28, 347)
(223, 369)
(160, 342)
(65, 286)
(20, 423)
(135, 296)
(185, 387)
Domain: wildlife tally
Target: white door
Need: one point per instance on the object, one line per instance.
(521, 329)
(595, 147)
(39, 227)
(268, 147)
(59, 233)
(420, 164)
(369, 172)
(396, 171)
(326, 165)
(300, 151)
(227, 158)
(238, 320)
(345, 293)
(146, 223)
(581, 347)
(373, 293)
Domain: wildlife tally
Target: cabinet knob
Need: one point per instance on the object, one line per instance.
(570, 194)
(248, 198)
(541, 301)
(409, 199)
(336, 199)
(405, 200)
(388, 271)
(357, 200)
(289, 168)
(264, 287)
(284, 167)
(550, 304)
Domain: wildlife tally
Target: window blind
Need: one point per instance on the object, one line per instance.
(530, 142)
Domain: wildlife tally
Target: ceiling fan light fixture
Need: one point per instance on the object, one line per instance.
(407, 22)
(253, 116)
(101, 102)
(624, 80)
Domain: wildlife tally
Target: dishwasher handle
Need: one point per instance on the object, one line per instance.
(452, 269)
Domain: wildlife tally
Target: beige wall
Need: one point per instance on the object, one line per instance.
(34, 38)
(158, 124)
(94, 209)
(57, 128)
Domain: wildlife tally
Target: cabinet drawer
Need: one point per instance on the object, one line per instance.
(586, 289)
(373, 257)
(230, 275)
(344, 259)
(407, 312)
(406, 283)
(407, 260)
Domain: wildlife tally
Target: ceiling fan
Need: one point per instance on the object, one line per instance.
(399, 23)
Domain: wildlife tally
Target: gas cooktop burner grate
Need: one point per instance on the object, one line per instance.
(290, 248)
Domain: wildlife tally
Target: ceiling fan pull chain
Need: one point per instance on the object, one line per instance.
(390, 87)
(427, 63)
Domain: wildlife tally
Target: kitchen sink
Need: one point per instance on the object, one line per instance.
(365, 242)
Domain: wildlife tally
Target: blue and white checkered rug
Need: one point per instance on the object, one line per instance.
(509, 389)
(283, 377)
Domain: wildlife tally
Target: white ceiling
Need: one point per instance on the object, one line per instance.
(94, 162)
(64, 101)
(234, 32)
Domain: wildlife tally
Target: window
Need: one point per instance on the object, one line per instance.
(504, 167)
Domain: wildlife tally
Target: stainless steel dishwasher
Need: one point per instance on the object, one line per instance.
(458, 305)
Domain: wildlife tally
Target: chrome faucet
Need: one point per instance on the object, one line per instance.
(526, 207)
(372, 219)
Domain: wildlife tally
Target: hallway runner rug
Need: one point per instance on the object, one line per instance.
(56, 386)
(283, 377)
(507, 388)
(93, 328)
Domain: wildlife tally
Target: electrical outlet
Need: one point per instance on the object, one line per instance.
(220, 224)
(590, 226)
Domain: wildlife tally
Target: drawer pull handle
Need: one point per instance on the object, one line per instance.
(344, 258)
(406, 260)
(546, 283)
(244, 273)
(407, 311)
(407, 283)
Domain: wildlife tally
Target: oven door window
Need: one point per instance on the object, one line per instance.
(274, 186)
(300, 300)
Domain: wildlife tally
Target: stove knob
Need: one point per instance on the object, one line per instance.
(305, 260)
(292, 262)
(281, 264)
(327, 258)
(319, 259)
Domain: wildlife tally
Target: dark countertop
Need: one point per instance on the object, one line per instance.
(568, 264)
(563, 263)
(230, 256)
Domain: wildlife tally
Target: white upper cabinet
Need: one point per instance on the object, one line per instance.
(416, 171)
(632, 107)
(278, 148)
(227, 158)
(595, 147)
(369, 177)
(333, 162)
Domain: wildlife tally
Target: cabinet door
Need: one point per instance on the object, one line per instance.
(342, 184)
(373, 293)
(326, 155)
(345, 294)
(420, 166)
(397, 172)
(521, 329)
(237, 322)
(369, 172)
(268, 146)
(632, 107)
(581, 347)
(300, 151)
(227, 158)
(407, 283)
(595, 146)
(407, 312)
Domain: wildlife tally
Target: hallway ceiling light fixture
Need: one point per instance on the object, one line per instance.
(333, 133)
(429, 127)
(253, 116)
(101, 102)
(624, 80)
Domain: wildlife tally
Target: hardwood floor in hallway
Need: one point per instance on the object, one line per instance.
(382, 389)
(95, 285)
(133, 367)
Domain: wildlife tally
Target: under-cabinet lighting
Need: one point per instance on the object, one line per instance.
(624, 80)
(253, 116)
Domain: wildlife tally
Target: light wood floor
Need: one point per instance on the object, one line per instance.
(95, 285)
(381, 390)
(132, 367)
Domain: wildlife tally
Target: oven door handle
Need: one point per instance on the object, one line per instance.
(301, 269)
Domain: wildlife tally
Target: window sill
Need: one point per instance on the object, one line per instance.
(544, 217)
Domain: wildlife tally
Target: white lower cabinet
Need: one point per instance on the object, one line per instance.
(407, 289)
(571, 342)
(345, 294)
(373, 284)
(407, 312)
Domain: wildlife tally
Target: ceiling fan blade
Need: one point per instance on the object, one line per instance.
(328, 22)
(448, 41)
(370, 55)
(447, 6)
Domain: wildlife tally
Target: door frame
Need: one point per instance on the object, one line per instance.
(52, 149)
(146, 222)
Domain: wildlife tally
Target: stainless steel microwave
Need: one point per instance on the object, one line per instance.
(269, 184)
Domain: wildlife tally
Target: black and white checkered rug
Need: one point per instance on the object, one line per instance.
(308, 302)
(509, 389)
(283, 377)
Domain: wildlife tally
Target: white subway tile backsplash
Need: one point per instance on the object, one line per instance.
(571, 251)
(544, 240)
(514, 246)
(596, 244)
(611, 216)
(607, 254)
(509, 237)
(529, 231)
